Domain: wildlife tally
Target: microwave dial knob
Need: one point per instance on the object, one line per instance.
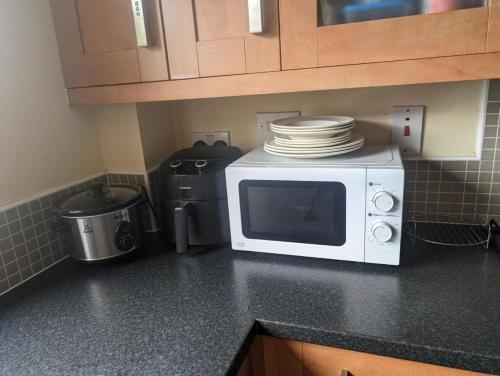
(383, 201)
(382, 231)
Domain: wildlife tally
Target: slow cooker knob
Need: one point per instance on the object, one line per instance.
(125, 237)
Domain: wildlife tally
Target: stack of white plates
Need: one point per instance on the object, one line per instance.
(313, 137)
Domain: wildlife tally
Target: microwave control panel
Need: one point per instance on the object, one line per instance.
(384, 214)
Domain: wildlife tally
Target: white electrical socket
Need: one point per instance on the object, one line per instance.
(407, 129)
(210, 138)
(264, 120)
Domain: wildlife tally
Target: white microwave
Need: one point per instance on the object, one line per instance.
(345, 207)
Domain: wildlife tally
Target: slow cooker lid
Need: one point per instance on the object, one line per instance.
(98, 199)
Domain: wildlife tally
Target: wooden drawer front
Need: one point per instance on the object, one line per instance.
(210, 38)
(323, 361)
(97, 43)
(442, 34)
(493, 42)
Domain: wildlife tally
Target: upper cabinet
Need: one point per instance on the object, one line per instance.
(105, 42)
(185, 49)
(316, 33)
(221, 37)
(493, 43)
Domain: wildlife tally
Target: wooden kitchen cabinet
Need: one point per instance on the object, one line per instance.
(315, 36)
(279, 357)
(98, 44)
(493, 41)
(212, 38)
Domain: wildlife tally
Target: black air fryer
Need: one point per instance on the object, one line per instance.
(193, 195)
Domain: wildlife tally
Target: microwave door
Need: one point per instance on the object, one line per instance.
(306, 212)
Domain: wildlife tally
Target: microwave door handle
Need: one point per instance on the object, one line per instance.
(181, 231)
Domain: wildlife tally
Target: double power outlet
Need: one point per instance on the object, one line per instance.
(264, 120)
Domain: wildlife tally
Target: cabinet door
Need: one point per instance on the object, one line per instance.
(493, 44)
(326, 361)
(98, 43)
(212, 38)
(341, 32)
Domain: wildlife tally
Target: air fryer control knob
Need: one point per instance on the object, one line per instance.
(175, 164)
(383, 201)
(125, 237)
(382, 231)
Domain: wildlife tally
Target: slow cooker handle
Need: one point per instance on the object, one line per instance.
(181, 231)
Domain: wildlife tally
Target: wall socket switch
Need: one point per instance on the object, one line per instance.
(264, 120)
(407, 129)
(210, 138)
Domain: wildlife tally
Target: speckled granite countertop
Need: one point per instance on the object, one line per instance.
(195, 315)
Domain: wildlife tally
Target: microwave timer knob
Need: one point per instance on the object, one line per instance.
(382, 231)
(383, 201)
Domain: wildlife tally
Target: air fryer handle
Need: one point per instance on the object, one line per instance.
(181, 231)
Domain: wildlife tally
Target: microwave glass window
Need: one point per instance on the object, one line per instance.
(291, 211)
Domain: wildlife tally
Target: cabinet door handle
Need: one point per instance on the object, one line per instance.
(255, 17)
(141, 33)
(345, 372)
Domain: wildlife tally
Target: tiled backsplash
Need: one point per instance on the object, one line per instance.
(458, 189)
(27, 243)
(432, 189)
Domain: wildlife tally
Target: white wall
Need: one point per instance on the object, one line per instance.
(452, 114)
(120, 138)
(43, 143)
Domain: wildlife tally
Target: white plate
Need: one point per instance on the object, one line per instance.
(313, 121)
(302, 135)
(319, 155)
(311, 143)
(312, 130)
(349, 146)
(286, 138)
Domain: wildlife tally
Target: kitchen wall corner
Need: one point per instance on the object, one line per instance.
(458, 190)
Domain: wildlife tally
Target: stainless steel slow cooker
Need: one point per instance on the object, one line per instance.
(102, 222)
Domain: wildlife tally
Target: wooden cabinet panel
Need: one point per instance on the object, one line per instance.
(218, 19)
(326, 361)
(153, 59)
(282, 357)
(298, 33)
(305, 44)
(263, 50)
(180, 34)
(221, 57)
(97, 35)
(493, 41)
(270, 356)
(210, 38)
(97, 43)
(458, 32)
